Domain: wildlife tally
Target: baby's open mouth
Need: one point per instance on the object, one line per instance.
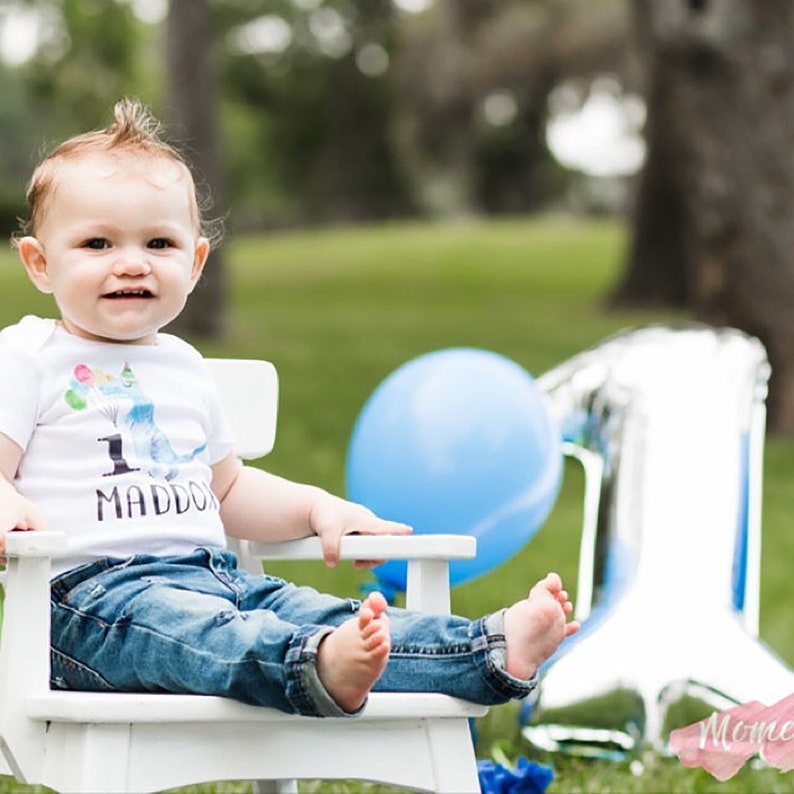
(129, 293)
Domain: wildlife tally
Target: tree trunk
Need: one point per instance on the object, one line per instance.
(192, 112)
(730, 66)
(658, 265)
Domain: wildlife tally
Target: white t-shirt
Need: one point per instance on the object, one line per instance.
(118, 440)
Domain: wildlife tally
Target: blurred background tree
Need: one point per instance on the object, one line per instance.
(61, 80)
(305, 112)
(330, 110)
(192, 111)
(714, 223)
(476, 80)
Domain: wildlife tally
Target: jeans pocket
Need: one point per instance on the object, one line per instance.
(70, 585)
(68, 673)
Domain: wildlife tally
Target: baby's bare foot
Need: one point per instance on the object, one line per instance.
(535, 626)
(352, 657)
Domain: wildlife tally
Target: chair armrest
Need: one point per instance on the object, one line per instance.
(35, 543)
(374, 547)
(428, 557)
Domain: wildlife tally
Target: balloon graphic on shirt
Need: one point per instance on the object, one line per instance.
(127, 406)
(84, 375)
(457, 441)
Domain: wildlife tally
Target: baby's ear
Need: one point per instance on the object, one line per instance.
(199, 260)
(31, 252)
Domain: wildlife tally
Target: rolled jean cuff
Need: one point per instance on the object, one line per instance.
(488, 642)
(304, 689)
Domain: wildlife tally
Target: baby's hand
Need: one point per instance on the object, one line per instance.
(332, 517)
(16, 512)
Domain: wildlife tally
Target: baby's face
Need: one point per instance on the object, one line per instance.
(118, 245)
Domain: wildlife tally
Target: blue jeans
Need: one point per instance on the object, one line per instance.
(196, 623)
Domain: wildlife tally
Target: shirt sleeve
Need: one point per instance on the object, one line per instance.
(19, 394)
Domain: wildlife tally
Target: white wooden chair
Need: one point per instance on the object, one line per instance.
(5, 769)
(123, 742)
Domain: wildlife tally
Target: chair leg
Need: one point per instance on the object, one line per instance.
(275, 787)
(455, 764)
(89, 759)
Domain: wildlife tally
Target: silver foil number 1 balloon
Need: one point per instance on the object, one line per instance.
(669, 425)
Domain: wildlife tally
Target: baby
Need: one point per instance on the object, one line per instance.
(113, 433)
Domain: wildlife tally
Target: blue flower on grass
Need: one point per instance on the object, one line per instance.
(526, 778)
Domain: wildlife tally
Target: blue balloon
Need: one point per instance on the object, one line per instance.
(458, 441)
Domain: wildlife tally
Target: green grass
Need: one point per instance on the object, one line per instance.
(338, 310)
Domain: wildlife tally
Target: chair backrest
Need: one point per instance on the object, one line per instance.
(249, 392)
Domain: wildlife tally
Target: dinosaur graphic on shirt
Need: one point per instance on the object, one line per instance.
(127, 406)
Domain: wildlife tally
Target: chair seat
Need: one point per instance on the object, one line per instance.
(122, 708)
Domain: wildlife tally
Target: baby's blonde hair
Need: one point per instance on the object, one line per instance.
(134, 130)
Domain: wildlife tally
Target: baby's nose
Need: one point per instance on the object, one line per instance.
(131, 263)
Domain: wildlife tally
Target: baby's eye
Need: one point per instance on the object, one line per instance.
(159, 243)
(96, 244)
